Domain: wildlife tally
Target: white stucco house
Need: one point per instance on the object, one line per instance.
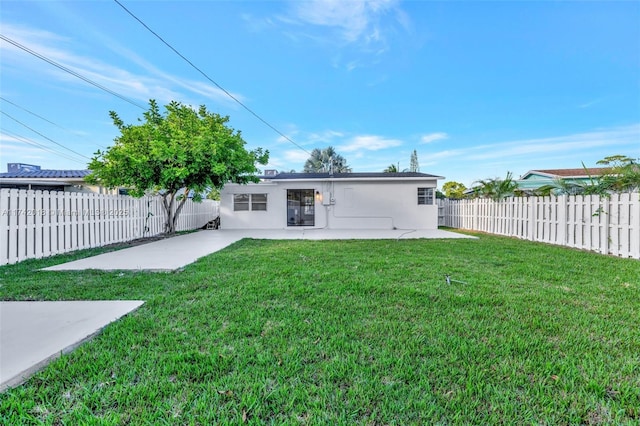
(332, 201)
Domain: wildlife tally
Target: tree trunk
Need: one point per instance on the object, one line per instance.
(169, 227)
(171, 217)
(179, 209)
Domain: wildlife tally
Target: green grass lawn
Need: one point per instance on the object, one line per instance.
(348, 332)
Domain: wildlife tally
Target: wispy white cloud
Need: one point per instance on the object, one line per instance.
(364, 26)
(10, 143)
(369, 143)
(152, 83)
(590, 103)
(19, 150)
(432, 137)
(544, 147)
(201, 88)
(257, 24)
(295, 156)
(352, 146)
(323, 137)
(356, 20)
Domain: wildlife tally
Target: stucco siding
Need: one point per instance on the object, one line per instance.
(341, 204)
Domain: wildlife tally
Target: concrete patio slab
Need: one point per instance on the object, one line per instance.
(176, 252)
(34, 333)
(168, 254)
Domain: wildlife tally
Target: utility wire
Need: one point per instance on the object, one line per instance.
(39, 145)
(42, 118)
(46, 137)
(70, 71)
(210, 79)
(31, 112)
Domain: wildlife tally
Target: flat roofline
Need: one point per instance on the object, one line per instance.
(413, 179)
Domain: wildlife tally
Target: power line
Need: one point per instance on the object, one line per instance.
(32, 113)
(39, 145)
(42, 118)
(70, 71)
(210, 79)
(46, 137)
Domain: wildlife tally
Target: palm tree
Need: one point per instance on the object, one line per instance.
(496, 188)
(561, 186)
(326, 160)
(391, 169)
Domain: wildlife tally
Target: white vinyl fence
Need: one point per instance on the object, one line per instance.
(607, 225)
(36, 224)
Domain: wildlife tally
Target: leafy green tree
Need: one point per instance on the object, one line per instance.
(454, 190)
(391, 169)
(413, 164)
(496, 188)
(326, 160)
(213, 194)
(181, 152)
(623, 173)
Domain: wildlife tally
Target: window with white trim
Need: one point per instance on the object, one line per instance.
(425, 196)
(259, 202)
(249, 202)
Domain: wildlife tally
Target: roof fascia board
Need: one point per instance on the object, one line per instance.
(371, 179)
(536, 172)
(47, 181)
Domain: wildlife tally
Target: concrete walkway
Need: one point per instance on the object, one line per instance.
(176, 252)
(34, 333)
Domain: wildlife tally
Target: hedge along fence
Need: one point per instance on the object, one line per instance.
(36, 224)
(607, 225)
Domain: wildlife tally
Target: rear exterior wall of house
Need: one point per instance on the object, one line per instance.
(339, 204)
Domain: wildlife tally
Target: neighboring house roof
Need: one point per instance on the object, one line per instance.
(46, 174)
(56, 180)
(345, 176)
(582, 172)
(535, 179)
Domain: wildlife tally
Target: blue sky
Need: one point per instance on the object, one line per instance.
(476, 88)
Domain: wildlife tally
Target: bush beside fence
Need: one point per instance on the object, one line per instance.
(607, 225)
(36, 224)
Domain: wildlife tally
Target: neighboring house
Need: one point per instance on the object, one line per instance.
(49, 180)
(332, 201)
(535, 179)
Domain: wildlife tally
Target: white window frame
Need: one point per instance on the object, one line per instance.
(259, 201)
(425, 196)
(248, 203)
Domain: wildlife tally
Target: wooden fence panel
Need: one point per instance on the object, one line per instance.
(607, 225)
(36, 224)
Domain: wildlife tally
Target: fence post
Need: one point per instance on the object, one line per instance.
(634, 224)
(4, 226)
(562, 220)
(531, 210)
(605, 241)
(46, 223)
(614, 240)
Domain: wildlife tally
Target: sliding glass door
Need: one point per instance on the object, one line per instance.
(300, 207)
